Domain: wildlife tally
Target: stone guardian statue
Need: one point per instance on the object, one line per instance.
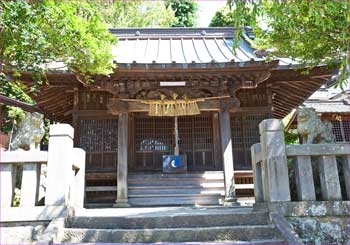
(311, 129)
(30, 133)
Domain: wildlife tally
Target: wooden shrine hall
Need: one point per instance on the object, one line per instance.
(219, 95)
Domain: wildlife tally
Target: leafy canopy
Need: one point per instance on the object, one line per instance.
(36, 35)
(312, 32)
(49, 34)
(136, 13)
(185, 12)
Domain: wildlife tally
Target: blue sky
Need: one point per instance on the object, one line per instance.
(207, 9)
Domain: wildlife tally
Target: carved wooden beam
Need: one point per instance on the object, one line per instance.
(116, 106)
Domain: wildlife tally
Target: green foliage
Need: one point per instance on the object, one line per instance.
(226, 17)
(14, 90)
(36, 35)
(291, 137)
(185, 12)
(312, 32)
(136, 13)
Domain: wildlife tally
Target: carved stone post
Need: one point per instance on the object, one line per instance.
(59, 165)
(226, 144)
(329, 178)
(257, 172)
(274, 160)
(122, 169)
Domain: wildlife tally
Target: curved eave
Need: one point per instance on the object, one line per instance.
(291, 87)
(211, 65)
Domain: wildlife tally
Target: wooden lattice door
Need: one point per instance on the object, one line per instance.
(196, 141)
(154, 137)
(245, 133)
(99, 138)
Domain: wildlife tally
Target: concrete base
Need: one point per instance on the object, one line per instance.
(231, 202)
(306, 208)
(165, 225)
(121, 204)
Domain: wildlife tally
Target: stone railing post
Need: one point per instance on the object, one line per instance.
(329, 178)
(77, 183)
(346, 169)
(274, 161)
(257, 172)
(59, 165)
(6, 184)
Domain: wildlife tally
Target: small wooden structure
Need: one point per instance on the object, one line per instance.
(113, 126)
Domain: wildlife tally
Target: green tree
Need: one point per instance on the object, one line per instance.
(185, 12)
(40, 35)
(312, 32)
(136, 13)
(36, 35)
(225, 18)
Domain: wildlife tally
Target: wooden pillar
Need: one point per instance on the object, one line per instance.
(122, 169)
(226, 144)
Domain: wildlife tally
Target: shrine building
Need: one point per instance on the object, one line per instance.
(187, 92)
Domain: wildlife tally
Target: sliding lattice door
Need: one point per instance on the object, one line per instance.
(245, 133)
(99, 138)
(154, 137)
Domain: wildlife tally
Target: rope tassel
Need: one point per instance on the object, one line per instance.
(171, 108)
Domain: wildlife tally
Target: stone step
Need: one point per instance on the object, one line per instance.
(133, 192)
(176, 195)
(202, 234)
(201, 200)
(172, 182)
(170, 220)
(252, 242)
(203, 188)
(219, 175)
(159, 200)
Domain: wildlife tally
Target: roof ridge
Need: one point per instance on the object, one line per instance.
(176, 32)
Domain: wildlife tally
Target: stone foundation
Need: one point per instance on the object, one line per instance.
(21, 233)
(322, 230)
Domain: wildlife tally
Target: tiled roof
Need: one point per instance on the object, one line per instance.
(328, 106)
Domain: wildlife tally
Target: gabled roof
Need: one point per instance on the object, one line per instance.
(204, 46)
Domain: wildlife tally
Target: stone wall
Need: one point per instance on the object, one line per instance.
(322, 230)
(21, 233)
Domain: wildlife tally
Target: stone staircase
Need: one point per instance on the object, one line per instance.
(171, 225)
(156, 189)
(176, 189)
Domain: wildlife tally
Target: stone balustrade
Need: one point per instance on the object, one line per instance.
(270, 167)
(64, 182)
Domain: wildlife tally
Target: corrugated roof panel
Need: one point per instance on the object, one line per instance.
(227, 51)
(177, 52)
(164, 51)
(140, 51)
(152, 51)
(123, 52)
(190, 52)
(248, 50)
(215, 51)
(201, 50)
(236, 56)
(201, 45)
